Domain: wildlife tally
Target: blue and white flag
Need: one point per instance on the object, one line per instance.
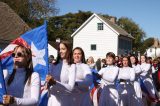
(35, 39)
(2, 85)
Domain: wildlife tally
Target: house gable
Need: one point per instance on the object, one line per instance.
(115, 28)
(96, 42)
(90, 19)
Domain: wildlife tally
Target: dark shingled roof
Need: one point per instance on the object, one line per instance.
(116, 27)
(11, 25)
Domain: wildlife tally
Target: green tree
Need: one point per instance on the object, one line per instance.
(33, 10)
(146, 43)
(63, 26)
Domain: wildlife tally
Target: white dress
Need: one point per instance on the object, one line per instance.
(147, 79)
(80, 94)
(24, 95)
(137, 86)
(126, 88)
(61, 92)
(109, 95)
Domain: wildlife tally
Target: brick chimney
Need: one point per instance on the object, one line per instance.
(156, 43)
(113, 19)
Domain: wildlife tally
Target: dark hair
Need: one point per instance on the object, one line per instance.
(111, 54)
(136, 58)
(144, 57)
(158, 58)
(129, 62)
(149, 59)
(28, 67)
(82, 52)
(51, 58)
(68, 54)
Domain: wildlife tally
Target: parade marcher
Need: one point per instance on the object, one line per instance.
(109, 95)
(158, 58)
(80, 94)
(125, 88)
(118, 61)
(104, 64)
(98, 64)
(62, 76)
(147, 85)
(137, 87)
(91, 63)
(23, 85)
(52, 59)
(155, 69)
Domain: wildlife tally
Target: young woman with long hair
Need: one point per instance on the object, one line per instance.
(125, 88)
(61, 78)
(23, 85)
(83, 79)
(109, 95)
(137, 87)
(147, 82)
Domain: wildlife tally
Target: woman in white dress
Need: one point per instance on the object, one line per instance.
(148, 87)
(62, 76)
(137, 87)
(84, 78)
(125, 88)
(109, 95)
(23, 85)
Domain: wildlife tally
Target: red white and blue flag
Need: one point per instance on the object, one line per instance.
(35, 39)
(2, 85)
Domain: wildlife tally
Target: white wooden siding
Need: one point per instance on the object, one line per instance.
(106, 40)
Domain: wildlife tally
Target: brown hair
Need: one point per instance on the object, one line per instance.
(68, 54)
(136, 62)
(144, 57)
(111, 54)
(129, 62)
(28, 67)
(82, 52)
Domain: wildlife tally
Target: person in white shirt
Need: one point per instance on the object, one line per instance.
(109, 95)
(125, 88)
(147, 81)
(137, 87)
(61, 78)
(91, 63)
(23, 85)
(80, 94)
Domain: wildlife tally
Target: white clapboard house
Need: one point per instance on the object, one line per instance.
(98, 35)
(154, 50)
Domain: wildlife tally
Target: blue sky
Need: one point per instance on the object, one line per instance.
(146, 13)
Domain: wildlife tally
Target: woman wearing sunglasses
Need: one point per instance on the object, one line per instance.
(23, 85)
(62, 76)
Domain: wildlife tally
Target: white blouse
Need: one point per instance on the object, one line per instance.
(83, 75)
(25, 95)
(137, 68)
(67, 78)
(109, 74)
(145, 69)
(127, 73)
